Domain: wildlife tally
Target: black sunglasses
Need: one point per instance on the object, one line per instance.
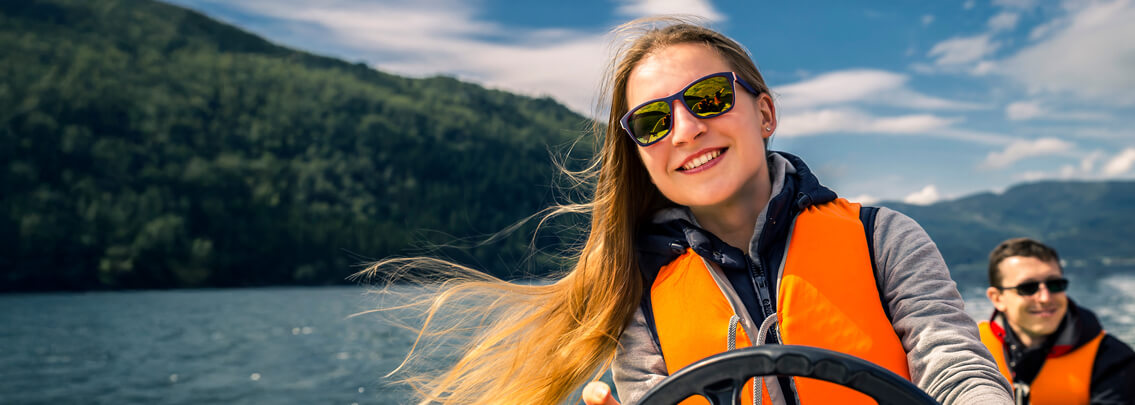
(706, 97)
(1026, 289)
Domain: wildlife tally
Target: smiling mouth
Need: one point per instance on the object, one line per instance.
(701, 160)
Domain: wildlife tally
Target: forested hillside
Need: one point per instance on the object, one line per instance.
(143, 145)
(1091, 224)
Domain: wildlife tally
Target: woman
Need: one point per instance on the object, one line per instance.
(697, 233)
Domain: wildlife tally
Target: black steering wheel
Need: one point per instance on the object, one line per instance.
(721, 377)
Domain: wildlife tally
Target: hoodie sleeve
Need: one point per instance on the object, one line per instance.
(638, 362)
(945, 355)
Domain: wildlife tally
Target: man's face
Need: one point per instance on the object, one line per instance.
(1032, 317)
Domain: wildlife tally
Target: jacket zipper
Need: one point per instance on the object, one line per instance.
(760, 284)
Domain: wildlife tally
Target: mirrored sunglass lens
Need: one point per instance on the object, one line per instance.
(710, 97)
(651, 122)
(1055, 286)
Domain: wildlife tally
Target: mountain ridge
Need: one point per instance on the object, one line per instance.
(1090, 223)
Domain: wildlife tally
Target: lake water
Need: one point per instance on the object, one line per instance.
(257, 346)
(236, 346)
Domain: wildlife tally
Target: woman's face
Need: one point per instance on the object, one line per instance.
(733, 143)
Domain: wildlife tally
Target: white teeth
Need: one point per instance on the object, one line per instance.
(701, 160)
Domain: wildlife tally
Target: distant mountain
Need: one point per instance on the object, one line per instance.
(143, 145)
(1091, 224)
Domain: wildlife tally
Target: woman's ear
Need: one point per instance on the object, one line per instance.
(766, 111)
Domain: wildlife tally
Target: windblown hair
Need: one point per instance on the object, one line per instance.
(538, 343)
(1023, 247)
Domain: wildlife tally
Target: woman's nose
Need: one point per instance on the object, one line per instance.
(686, 126)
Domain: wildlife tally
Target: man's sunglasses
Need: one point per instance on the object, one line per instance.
(706, 97)
(1026, 289)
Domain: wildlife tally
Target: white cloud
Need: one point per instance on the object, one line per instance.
(983, 68)
(969, 4)
(1023, 110)
(963, 50)
(850, 120)
(927, 19)
(928, 195)
(838, 87)
(906, 124)
(861, 86)
(864, 199)
(1101, 133)
(1070, 171)
(820, 122)
(1120, 164)
(1021, 149)
(1033, 175)
(1088, 163)
(834, 102)
(1042, 30)
(643, 8)
(432, 37)
(1004, 21)
(1034, 110)
(1091, 56)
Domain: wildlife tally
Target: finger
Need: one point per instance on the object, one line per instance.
(598, 393)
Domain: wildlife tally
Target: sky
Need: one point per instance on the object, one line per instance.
(915, 101)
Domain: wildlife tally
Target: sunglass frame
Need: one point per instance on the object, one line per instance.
(669, 100)
(1029, 287)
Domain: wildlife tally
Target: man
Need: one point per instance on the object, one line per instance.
(1052, 351)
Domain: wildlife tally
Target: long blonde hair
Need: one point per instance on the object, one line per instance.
(538, 343)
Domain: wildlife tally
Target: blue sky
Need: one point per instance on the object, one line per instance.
(902, 100)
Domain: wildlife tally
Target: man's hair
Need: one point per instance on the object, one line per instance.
(1023, 247)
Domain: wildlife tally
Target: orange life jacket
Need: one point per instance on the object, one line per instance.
(1064, 379)
(827, 297)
